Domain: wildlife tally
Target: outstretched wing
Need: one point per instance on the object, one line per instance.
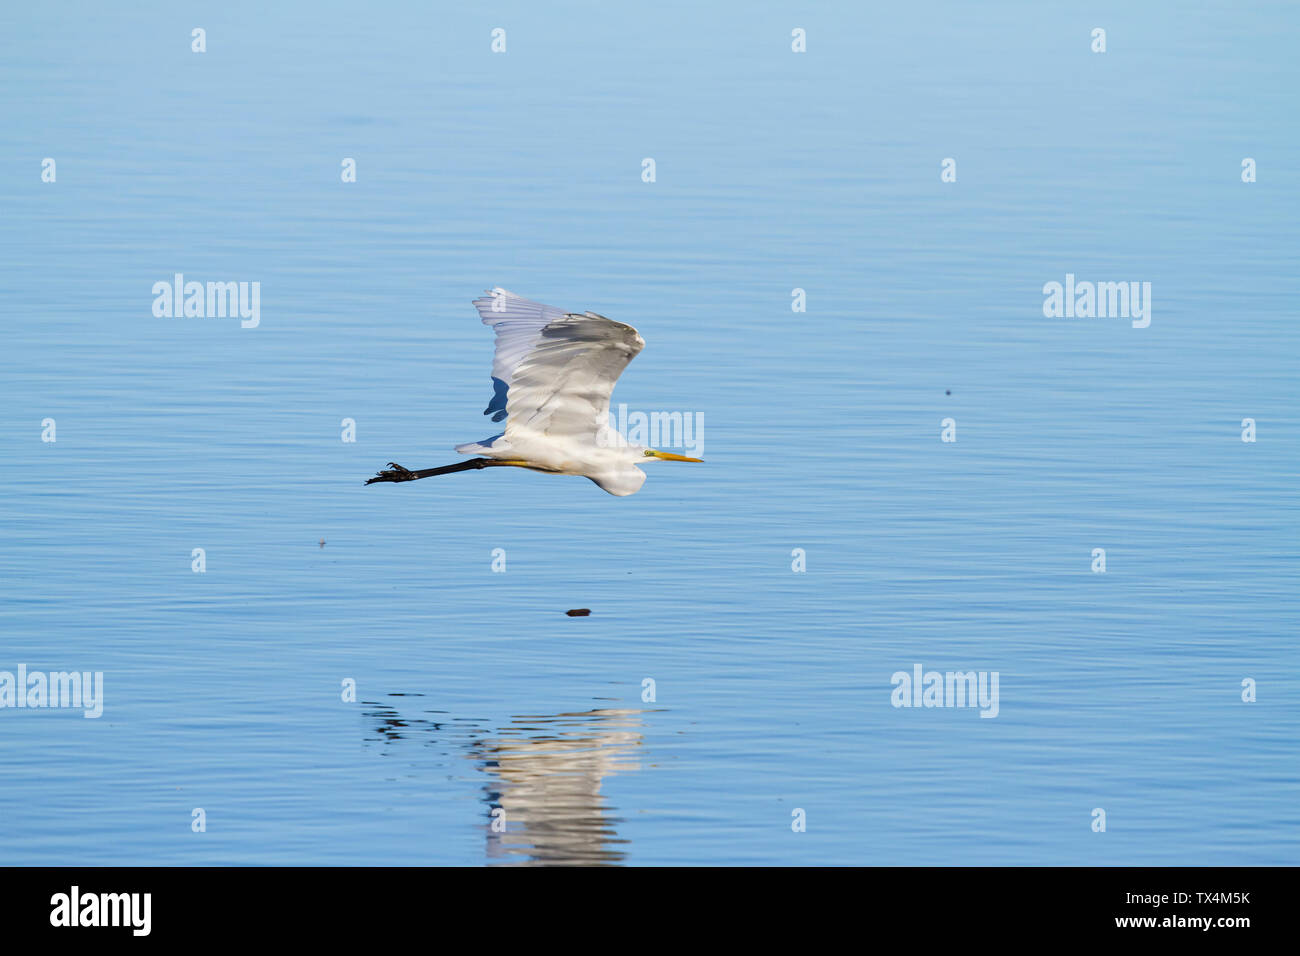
(561, 389)
(518, 323)
(554, 371)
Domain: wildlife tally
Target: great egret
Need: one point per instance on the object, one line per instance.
(552, 375)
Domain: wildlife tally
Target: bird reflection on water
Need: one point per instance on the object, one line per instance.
(544, 775)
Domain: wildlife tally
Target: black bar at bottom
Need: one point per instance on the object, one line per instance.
(335, 906)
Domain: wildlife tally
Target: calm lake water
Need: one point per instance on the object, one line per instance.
(774, 171)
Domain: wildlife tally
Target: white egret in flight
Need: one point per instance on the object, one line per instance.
(552, 376)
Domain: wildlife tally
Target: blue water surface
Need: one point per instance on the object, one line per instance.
(477, 699)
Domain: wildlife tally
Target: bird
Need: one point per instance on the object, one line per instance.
(552, 376)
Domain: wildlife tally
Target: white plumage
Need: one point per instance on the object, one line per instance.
(552, 376)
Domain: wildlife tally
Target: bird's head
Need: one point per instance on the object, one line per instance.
(653, 454)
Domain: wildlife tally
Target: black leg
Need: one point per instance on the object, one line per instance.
(396, 472)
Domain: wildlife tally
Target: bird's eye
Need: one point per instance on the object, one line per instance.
(649, 453)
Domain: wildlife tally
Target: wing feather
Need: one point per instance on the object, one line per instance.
(563, 386)
(518, 324)
(553, 371)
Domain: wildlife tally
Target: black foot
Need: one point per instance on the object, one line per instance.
(395, 473)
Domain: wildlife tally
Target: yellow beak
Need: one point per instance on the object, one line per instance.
(666, 456)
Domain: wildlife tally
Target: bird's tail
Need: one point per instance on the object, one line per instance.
(496, 445)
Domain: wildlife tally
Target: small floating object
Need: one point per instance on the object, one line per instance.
(322, 542)
(578, 612)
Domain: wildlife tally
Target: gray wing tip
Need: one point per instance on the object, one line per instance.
(578, 316)
(632, 339)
